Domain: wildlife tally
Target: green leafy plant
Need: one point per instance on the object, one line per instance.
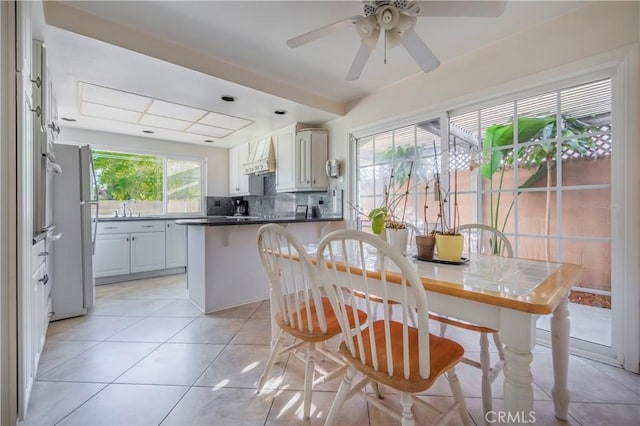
(392, 211)
(499, 155)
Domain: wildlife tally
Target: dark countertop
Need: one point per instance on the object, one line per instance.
(227, 220)
(153, 217)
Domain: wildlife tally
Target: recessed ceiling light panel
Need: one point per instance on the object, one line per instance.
(163, 122)
(214, 132)
(113, 98)
(181, 112)
(224, 121)
(109, 113)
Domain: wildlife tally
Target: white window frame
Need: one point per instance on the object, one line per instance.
(623, 67)
(165, 156)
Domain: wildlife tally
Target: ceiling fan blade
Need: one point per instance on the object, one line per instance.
(358, 62)
(419, 51)
(474, 9)
(321, 32)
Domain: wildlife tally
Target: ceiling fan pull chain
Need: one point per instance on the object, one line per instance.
(385, 47)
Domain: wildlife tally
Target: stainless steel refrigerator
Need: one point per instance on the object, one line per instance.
(75, 209)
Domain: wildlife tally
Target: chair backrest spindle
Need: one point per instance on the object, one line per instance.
(342, 257)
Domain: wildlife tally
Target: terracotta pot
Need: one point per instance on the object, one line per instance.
(425, 245)
(450, 247)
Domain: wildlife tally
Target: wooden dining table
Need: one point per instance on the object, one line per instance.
(509, 295)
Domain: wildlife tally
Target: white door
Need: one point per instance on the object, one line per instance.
(176, 245)
(147, 251)
(112, 255)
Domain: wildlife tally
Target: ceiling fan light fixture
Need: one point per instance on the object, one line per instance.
(392, 38)
(388, 16)
(406, 23)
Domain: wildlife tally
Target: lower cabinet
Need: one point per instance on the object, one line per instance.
(129, 247)
(111, 255)
(122, 254)
(147, 252)
(34, 318)
(176, 245)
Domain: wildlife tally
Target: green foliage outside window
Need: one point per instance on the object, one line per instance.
(128, 176)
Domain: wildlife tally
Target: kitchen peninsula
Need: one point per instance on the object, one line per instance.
(223, 265)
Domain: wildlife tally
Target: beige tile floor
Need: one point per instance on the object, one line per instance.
(146, 355)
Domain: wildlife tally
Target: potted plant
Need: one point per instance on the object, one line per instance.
(388, 219)
(449, 242)
(425, 243)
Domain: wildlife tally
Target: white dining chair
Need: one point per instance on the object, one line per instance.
(486, 240)
(385, 351)
(300, 309)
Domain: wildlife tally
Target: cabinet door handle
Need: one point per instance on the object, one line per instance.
(37, 110)
(168, 225)
(44, 280)
(148, 226)
(110, 227)
(133, 238)
(43, 253)
(37, 82)
(314, 181)
(127, 239)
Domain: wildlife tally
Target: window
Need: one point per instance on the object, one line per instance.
(149, 184)
(412, 148)
(549, 187)
(537, 167)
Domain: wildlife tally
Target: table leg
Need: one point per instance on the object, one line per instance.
(518, 334)
(560, 351)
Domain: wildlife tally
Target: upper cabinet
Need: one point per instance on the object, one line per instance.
(239, 183)
(300, 160)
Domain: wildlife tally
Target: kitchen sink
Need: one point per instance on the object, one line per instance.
(130, 218)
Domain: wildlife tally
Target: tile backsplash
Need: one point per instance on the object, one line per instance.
(272, 203)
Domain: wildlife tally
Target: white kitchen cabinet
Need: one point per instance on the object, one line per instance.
(175, 245)
(37, 305)
(285, 159)
(301, 161)
(147, 251)
(239, 183)
(112, 255)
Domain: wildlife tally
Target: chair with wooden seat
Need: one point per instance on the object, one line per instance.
(481, 239)
(299, 308)
(385, 351)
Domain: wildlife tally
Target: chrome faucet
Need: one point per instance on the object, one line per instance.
(125, 205)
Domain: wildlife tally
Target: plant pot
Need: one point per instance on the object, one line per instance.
(450, 246)
(425, 245)
(398, 238)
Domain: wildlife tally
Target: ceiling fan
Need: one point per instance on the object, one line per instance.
(397, 19)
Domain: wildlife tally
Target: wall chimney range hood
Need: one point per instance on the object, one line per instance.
(262, 158)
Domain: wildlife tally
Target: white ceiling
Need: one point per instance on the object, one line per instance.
(251, 36)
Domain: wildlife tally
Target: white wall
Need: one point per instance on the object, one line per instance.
(217, 158)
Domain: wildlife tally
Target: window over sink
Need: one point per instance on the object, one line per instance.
(141, 184)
